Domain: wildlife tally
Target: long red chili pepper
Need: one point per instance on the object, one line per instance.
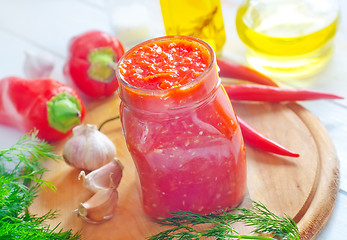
(252, 92)
(254, 138)
(43, 104)
(269, 93)
(233, 70)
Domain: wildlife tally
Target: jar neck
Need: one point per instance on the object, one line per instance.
(181, 98)
(177, 98)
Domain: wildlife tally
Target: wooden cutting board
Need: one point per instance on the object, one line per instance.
(303, 188)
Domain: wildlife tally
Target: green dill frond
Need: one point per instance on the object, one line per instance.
(23, 161)
(265, 221)
(220, 226)
(29, 227)
(20, 179)
(29, 151)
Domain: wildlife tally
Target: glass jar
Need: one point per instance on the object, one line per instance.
(185, 141)
(288, 38)
(198, 18)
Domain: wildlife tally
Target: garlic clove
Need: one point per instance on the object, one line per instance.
(88, 148)
(38, 64)
(100, 207)
(108, 176)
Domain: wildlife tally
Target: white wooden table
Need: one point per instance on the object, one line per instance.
(48, 25)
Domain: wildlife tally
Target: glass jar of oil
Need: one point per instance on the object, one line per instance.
(197, 18)
(288, 38)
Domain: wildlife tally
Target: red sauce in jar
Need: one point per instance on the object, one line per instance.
(180, 128)
(165, 64)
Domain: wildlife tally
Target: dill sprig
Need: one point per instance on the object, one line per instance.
(220, 226)
(20, 179)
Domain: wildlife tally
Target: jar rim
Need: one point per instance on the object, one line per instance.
(165, 91)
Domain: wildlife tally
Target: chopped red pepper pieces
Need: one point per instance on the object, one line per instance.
(252, 92)
(233, 70)
(255, 139)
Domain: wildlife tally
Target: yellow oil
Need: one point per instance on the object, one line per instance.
(287, 38)
(198, 18)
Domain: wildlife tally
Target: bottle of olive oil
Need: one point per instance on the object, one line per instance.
(198, 18)
(288, 38)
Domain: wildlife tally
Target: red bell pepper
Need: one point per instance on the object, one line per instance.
(230, 69)
(91, 60)
(43, 104)
(252, 92)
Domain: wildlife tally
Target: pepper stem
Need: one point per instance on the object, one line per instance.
(102, 63)
(64, 112)
(108, 120)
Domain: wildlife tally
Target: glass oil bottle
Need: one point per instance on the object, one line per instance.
(288, 38)
(197, 18)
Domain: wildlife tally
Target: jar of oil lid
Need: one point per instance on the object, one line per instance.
(288, 38)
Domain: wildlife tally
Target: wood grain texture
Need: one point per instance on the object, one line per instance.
(307, 190)
(323, 201)
(304, 188)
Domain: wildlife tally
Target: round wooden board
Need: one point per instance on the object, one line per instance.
(303, 188)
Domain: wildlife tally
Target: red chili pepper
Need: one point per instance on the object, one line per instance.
(43, 104)
(91, 61)
(252, 92)
(257, 140)
(238, 71)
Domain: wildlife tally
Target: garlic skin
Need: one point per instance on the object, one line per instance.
(108, 176)
(88, 148)
(100, 207)
(38, 64)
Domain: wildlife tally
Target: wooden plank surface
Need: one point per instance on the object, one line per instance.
(304, 188)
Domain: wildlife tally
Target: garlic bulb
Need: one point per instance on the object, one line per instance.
(108, 176)
(38, 64)
(88, 148)
(100, 207)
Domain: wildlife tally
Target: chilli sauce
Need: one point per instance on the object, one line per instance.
(180, 127)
